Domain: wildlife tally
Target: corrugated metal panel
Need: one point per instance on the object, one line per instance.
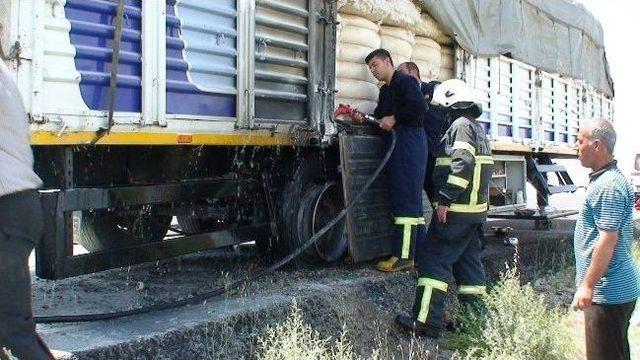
(504, 99)
(524, 101)
(562, 111)
(57, 65)
(547, 108)
(202, 57)
(607, 108)
(92, 29)
(282, 40)
(369, 224)
(590, 105)
(481, 80)
(597, 105)
(575, 112)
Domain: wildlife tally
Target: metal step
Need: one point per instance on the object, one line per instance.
(551, 168)
(537, 170)
(562, 189)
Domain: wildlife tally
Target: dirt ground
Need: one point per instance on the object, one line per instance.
(355, 296)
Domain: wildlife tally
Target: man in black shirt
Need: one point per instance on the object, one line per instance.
(401, 107)
(435, 123)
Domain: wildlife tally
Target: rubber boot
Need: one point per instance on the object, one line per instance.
(418, 328)
(394, 264)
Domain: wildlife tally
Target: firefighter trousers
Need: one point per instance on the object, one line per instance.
(449, 252)
(428, 179)
(406, 173)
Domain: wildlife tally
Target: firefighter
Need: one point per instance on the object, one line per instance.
(401, 107)
(434, 122)
(452, 247)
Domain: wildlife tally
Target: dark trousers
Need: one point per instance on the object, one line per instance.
(449, 251)
(606, 328)
(406, 172)
(20, 230)
(428, 179)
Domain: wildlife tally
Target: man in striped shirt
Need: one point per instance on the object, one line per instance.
(606, 277)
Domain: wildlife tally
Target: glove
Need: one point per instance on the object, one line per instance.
(346, 111)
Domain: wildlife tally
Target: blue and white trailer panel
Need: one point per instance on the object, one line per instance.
(211, 71)
(526, 108)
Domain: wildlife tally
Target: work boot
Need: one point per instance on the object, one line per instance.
(418, 328)
(395, 264)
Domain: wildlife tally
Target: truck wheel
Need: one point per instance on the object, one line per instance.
(320, 205)
(101, 230)
(193, 225)
(307, 205)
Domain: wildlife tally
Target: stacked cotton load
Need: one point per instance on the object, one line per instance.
(354, 82)
(374, 10)
(403, 14)
(431, 38)
(396, 31)
(428, 27)
(426, 54)
(447, 54)
(398, 41)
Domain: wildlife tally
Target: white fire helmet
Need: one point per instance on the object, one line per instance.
(454, 94)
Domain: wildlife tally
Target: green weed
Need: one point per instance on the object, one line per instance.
(514, 324)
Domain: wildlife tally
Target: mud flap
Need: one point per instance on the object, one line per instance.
(369, 223)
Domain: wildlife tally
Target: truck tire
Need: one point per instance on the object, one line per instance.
(298, 202)
(102, 230)
(320, 204)
(194, 225)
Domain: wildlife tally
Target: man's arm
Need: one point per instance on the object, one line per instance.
(384, 103)
(600, 259)
(462, 165)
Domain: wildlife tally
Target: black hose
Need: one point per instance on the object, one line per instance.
(236, 283)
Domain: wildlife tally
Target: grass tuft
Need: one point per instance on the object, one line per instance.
(515, 324)
(294, 339)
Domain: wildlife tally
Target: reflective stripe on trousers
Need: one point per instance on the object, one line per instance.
(428, 286)
(472, 289)
(408, 223)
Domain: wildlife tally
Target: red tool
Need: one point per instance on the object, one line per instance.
(344, 111)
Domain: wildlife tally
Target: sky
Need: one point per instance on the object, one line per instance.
(621, 25)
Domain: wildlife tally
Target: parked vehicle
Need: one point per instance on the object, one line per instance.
(635, 176)
(222, 118)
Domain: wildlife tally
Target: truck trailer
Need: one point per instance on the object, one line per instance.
(161, 128)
